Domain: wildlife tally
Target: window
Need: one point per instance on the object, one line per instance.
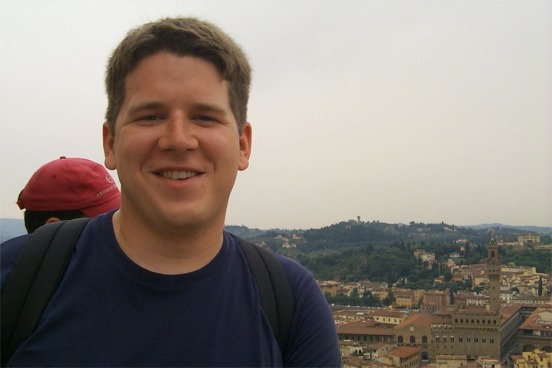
(400, 340)
(460, 339)
(437, 339)
(452, 339)
(412, 339)
(468, 339)
(444, 339)
(483, 339)
(491, 340)
(476, 339)
(424, 339)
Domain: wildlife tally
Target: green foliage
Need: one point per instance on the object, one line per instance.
(353, 251)
(538, 258)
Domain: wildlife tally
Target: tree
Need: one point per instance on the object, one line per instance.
(371, 300)
(448, 275)
(389, 299)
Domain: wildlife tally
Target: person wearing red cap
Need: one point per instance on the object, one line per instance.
(160, 282)
(67, 188)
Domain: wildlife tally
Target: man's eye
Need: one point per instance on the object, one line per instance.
(151, 117)
(205, 118)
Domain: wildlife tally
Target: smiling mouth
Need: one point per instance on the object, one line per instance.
(179, 175)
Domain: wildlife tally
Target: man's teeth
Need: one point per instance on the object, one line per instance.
(178, 174)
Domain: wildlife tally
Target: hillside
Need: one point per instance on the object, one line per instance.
(353, 251)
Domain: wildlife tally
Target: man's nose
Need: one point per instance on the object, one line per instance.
(178, 134)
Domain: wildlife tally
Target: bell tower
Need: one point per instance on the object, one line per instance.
(493, 272)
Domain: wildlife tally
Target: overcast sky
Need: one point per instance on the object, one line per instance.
(394, 111)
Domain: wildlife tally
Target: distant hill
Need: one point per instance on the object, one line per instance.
(531, 229)
(10, 228)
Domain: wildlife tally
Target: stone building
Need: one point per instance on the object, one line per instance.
(536, 331)
(365, 332)
(476, 331)
(389, 316)
(435, 301)
(532, 359)
(415, 331)
(402, 357)
(529, 239)
(330, 288)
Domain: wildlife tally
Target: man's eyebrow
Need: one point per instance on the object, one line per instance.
(143, 106)
(205, 107)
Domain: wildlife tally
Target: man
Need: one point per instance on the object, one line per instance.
(65, 189)
(159, 282)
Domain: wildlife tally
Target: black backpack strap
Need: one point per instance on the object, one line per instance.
(34, 279)
(275, 292)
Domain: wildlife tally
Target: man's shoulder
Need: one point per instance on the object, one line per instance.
(296, 273)
(13, 243)
(9, 251)
(292, 267)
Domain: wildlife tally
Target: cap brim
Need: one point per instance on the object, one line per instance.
(112, 204)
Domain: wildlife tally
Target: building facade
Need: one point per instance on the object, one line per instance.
(536, 331)
(481, 330)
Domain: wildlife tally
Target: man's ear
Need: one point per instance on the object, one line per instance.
(52, 219)
(245, 147)
(108, 146)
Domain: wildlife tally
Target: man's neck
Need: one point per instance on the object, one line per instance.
(166, 252)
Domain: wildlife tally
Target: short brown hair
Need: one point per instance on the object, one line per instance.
(180, 36)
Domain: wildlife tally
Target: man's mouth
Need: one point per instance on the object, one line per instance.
(178, 175)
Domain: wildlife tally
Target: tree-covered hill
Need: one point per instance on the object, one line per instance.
(354, 250)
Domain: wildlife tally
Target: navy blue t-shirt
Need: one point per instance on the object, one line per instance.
(108, 311)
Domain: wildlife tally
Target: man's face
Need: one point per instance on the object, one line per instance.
(176, 145)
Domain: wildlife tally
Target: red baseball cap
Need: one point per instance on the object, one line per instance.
(71, 184)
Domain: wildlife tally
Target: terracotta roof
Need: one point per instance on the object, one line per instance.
(405, 351)
(365, 327)
(534, 322)
(509, 311)
(420, 320)
(475, 312)
(389, 313)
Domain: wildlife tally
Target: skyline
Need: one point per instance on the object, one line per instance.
(392, 111)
